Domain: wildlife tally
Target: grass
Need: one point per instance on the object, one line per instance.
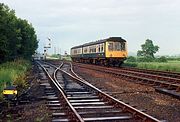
(67, 58)
(173, 66)
(13, 73)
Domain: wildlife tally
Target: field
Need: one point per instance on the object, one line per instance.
(168, 66)
(13, 73)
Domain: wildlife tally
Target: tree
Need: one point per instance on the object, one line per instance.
(148, 49)
(28, 39)
(7, 24)
(17, 37)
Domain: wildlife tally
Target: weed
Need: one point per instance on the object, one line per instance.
(13, 73)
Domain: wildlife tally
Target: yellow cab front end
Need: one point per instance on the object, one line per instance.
(116, 49)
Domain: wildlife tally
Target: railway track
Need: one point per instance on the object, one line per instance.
(56, 98)
(74, 99)
(155, 72)
(161, 81)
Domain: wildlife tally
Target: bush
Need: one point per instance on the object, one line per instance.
(130, 64)
(20, 82)
(145, 59)
(161, 59)
(131, 59)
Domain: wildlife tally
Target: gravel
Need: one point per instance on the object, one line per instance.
(160, 106)
(34, 110)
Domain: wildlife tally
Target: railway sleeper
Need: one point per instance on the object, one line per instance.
(103, 114)
(89, 104)
(112, 111)
(132, 76)
(85, 100)
(60, 120)
(115, 118)
(81, 97)
(173, 93)
(96, 106)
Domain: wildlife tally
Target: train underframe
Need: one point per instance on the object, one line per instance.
(100, 61)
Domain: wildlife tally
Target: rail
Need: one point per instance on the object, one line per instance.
(115, 102)
(168, 83)
(74, 115)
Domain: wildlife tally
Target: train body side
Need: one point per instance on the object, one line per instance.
(108, 51)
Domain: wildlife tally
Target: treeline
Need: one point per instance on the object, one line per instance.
(17, 36)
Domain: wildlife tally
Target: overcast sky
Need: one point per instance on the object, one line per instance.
(73, 22)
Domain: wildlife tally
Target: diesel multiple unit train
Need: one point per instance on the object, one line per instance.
(110, 51)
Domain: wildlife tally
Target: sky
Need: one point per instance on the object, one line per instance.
(70, 23)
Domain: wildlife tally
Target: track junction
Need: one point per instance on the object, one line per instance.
(71, 98)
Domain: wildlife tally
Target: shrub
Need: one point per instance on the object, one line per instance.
(131, 59)
(20, 82)
(130, 64)
(178, 59)
(145, 59)
(161, 59)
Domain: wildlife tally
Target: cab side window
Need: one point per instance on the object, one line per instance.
(123, 47)
(110, 46)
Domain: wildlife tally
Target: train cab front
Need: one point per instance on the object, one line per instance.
(116, 49)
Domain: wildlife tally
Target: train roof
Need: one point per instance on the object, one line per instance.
(101, 41)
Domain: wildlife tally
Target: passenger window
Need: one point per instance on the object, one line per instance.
(94, 49)
(102, 48)
(75, 51)
(110, 46)
(90, 50)
(85, 50)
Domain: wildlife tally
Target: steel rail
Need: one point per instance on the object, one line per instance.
(69, 104)
(156, 72)
(119, 104)
(135, 72)
(157, 77)
(139, 77)
(74, 115)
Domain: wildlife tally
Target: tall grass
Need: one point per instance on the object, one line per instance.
(7, 76)
(160, 66)
(13, 73)
(173, 66)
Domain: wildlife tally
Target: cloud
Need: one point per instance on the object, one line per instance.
(73, 22)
